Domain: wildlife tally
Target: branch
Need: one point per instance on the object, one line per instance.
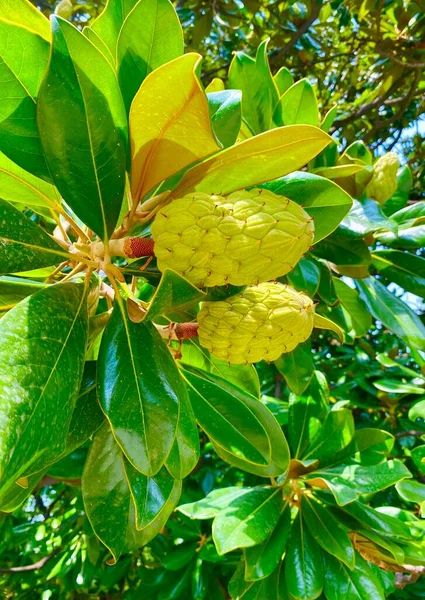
(315, 10)
(33, 567)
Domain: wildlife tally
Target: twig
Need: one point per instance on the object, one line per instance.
(315, 10)
(33, 567)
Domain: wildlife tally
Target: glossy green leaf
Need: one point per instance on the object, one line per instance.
(283, 80)
(403, 268)
(372, 478)
(305, 277)
(418, 457)
(326, 289)
(151, 35)
(24, 245)
(262, 559)
(153, 496)
(298, 105)
(15, 289)
(24, 13)
(243, 376)
(297, 367)
(378, 521)
(87, 416)
(345, 584)
(303, 563)
(321, 198)
(173, 294)
(240, 426)
(248, 520)
(392, 312)
(86, 151)
(180, 556)
(412, 491)
(24, 55)
(13, 496)
(185, 451)
(410, 237)
(109, 23)
(343, 491)
(327, 531)
(394, 386)
(139, 389)
(373, 445)
(70, 467)
(354, 305)
(97, 41)
(217, 502)
(259, 91)
(366, 217)
(333, 437)
(417, 411)
(306, 413)
(107, 499)
(413, 211)
(255, 160)
(20, 186)
(225, 113)
(41, 364)
(340, 249)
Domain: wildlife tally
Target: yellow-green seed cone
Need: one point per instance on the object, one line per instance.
(384, 180)
(261, 323)
(241, 239)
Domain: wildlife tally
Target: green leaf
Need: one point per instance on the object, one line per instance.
(243, 376)
(70, 467)
(394, 386)
(20, 186)
(173, 294)
(412, 491)
(354, 305)
(255, 160)
(151, 36)
(343, 491)
(373, 445)
(327, 531)
(41, 364)
(305, 277)
(413, 211)
(15, 289)
(392, 312)
(418, 457)
(333, 437)
(225, 113)
(283, 80)
(303, 563)
(241, 428)
(107, 499)
(407, 236)
(217, 502)
(262, 559)
(139, 389)
(152, 496)
(377, 521)
(248, 520)
(321, 198)
(326, 289)
(366, 217)
(403, 268)
(87, 416)
(97, 41)
(185, 450)
(358, 584)
(417, 411)
(24, 13)
(109, 23)
(86, 150)
(342, 250)
(297, 367)
(298, 105)
(372, 478)
(306, 413)
(259, 91)
(24, 55)
(13, 496)
(24, 245)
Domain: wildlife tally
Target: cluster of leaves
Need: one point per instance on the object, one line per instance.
(312, 468)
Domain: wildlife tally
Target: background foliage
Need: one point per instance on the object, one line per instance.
(365, 58)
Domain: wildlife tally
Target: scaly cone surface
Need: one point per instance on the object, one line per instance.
(242, 239)
(384, 180)
(259, 324)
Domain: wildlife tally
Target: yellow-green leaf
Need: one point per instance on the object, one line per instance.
(24, 13)
(169, 124)
(258, 159)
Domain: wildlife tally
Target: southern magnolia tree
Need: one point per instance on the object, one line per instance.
(166, 253)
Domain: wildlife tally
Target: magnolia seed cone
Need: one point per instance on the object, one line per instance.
(259, 324)
(241, 239)
(384, 179)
